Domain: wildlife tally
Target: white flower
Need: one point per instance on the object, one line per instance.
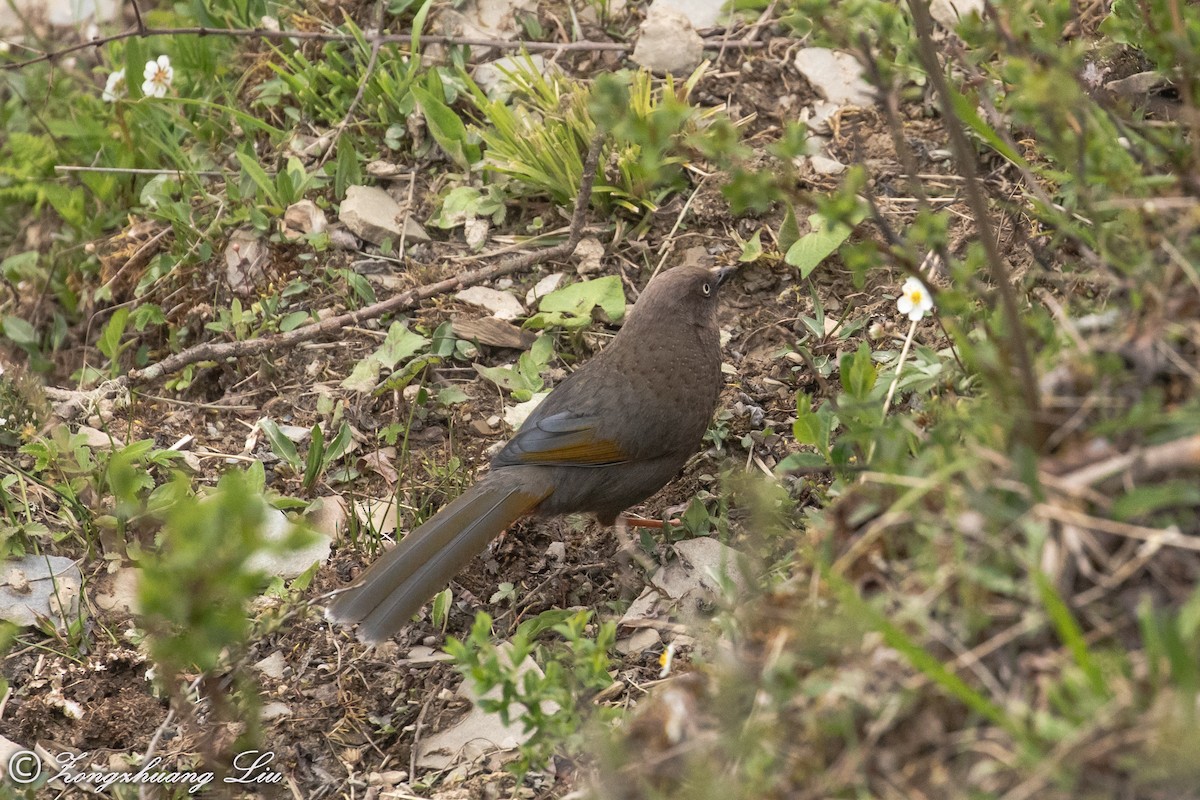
(158, 74)
(115, 87)
(1092, 75)
(914, 299)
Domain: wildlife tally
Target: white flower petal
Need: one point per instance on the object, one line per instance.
(114, 87)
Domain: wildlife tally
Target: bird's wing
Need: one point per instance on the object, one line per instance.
(562, 439)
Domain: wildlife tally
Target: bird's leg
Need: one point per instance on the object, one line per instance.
(627, 546)
(641, 522)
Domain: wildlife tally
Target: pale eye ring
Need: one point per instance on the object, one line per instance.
(706, 289)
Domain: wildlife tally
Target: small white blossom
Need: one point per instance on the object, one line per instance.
(914, 300)
(115, 87)
(158, 74)
(1092, 75)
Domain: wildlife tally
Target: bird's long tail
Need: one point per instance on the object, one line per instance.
(394, 588)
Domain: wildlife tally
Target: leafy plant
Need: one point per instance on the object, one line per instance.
(551, 703)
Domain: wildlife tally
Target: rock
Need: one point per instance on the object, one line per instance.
(700, 13)
(276, 527)
(342, 239)
(502, 304)
(371, 214)
(327, 515)
(272, 666)
(493, 332)
(590, 254)
(485, 19)
(693, 580)
(639, 641)
(39, 586)
(836, 75)
(515, 416)
(826, 166)
(119, 592)
(246, 257)
(1137, 85)
(818, 116)
(556, 552)
(9, 748)
(544, 287)
(301, 219)
(667, 42)
(99, 440)
(949, 12)
(387, 171)
(275, 710)
(475, 233)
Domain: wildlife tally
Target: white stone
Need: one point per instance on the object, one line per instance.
(826, 166)
(700, 13)
(667, 42)
(544, 287)
(502, 304)
(836, 75)
(287, 565)
(371, 214)
(949, 12)
(39, 586)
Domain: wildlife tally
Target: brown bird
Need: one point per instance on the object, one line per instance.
(609, 436)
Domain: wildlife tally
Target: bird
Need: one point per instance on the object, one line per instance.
(610, 435)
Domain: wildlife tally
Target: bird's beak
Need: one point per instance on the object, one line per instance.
(722, 274)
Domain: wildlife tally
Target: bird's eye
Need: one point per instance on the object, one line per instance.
(706, 289)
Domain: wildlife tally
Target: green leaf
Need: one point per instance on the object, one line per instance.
(20, 331)
(752, 250)
(346, 170)
(1144, 500)
(859, 373)
(401, 343)
(293, 320)
(407, 374)
(800, 462)
(280, 444)
(819, 244)
(110, 340)
(259, 176)
(789, 231)
(339, 444)
(315, 458)
(571, 306)
(446, 128)
(813, 428)
(452, 396)
(1070, 632)
(460, 205)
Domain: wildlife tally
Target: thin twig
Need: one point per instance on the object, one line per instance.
(1017, 344)
(324, 36)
